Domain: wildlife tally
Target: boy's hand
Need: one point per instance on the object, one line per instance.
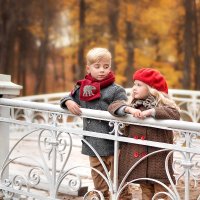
(73, 107)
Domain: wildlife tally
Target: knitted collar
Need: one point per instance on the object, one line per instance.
(90, 88)
(148, 103)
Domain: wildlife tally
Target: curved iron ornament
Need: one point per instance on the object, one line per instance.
(173, 195)
(117, 127)
(95, 194)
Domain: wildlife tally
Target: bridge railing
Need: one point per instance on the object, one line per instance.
(56, 161)
(187, 100)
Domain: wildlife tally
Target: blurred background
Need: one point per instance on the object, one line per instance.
(43, 43)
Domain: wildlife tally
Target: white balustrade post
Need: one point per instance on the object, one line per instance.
(7, 90)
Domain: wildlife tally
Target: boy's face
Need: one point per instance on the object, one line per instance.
(99, 70)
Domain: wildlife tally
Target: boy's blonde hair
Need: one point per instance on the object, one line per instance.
(97, 54)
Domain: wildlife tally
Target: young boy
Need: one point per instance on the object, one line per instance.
(97, 91)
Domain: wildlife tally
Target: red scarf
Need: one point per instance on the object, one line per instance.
(90, 88)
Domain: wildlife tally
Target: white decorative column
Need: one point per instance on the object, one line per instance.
(7, 90)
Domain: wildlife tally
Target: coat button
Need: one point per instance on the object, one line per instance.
(142, 137)
(136, 154)
(135, 137)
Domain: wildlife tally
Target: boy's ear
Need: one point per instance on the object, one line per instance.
(88, 69)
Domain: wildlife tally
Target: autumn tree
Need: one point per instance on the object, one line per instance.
(46, 41)
(188, 42)
(81, 45)
(196, 6)
(113, 16)
(129, 41)
(8, 33)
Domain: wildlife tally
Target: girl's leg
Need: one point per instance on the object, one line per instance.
(159, 188)
(147, 191)
(125, 194)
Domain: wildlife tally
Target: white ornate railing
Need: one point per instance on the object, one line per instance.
(188, 100)
(54, 149)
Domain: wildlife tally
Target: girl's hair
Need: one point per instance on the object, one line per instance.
(160, 97)
(96, 54)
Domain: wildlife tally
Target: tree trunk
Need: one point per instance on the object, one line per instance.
(22, 60)
(80, 68)
(113, 15)
(196, 46)
(188, 43)
(157, 47)
(63, 72)
(130, 54)
(41, 73)
(40, 85)
(8, 29)
(55, 73)
(179, 47)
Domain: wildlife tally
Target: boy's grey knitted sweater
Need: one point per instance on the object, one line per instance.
(109, 94)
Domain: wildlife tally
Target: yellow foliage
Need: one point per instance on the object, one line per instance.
(36, 30)
(172, 75)
(141, 59)
(155, 33)
(120, 58)
(130, 11)
(119, 79)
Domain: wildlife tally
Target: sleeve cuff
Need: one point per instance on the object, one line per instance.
(153, 113)
(121, 111)
(63, 100)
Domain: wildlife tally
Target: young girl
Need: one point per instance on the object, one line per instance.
(149, 99)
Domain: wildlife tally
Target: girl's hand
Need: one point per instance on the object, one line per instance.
(73, 107)
(135, 112)
(148, 113)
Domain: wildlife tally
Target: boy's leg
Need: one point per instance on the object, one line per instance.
(147, 191)
(98, 180)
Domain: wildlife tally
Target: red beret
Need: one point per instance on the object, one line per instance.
(152, 78)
